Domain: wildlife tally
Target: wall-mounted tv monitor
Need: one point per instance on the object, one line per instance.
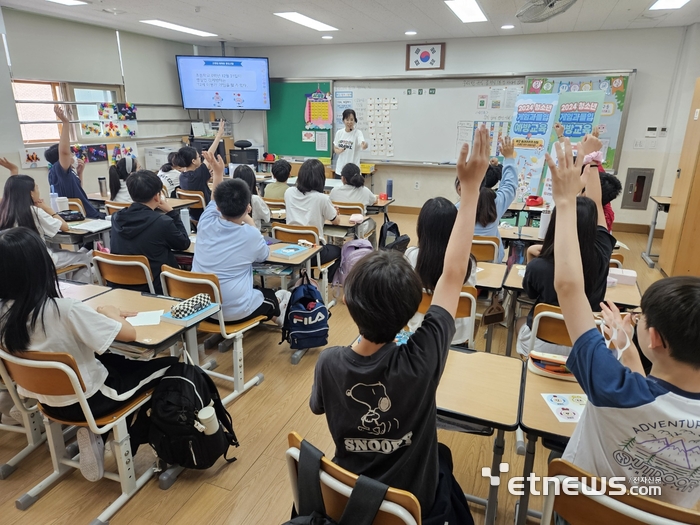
(224, 82)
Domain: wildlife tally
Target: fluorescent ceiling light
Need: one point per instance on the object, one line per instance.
(327, 37)
(67, 2)
(175, 27)
(304, 20)
(668, 4)
(466, 10)
(410, 33)
(508, 26)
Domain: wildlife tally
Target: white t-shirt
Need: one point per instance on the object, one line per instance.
(463, 325)
(72, 327)
(48, 226)
(170, 179)
(229, 250)
(310, 209)
(123, 193)
(261, 212)
(351, 142)
(349, 193)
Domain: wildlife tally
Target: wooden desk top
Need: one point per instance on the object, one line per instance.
(491, 276)
(345, 221)
(516, 206)
(131, 301)
(536, 416)
(529, 234)
(80, 291)
(382, 203)
(97, 196)
(178, 204)
(514, 280)
(664, 201)
(467, 388)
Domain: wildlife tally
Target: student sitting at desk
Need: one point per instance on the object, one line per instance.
(64, 180)
(34, 317)
(280, 171)
(596, 248)
(22, 205)
(261, 212)
(149, 226)
(307, 205)
(354, 190)
(493, 204)
(379, 398)
(228, 243)
(642, 429)
(118, 174)
(169, 175)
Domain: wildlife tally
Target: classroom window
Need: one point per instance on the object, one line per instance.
(92, 93)
(38, 112)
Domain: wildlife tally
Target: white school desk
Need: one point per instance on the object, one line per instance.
(77, 236)
(527, 234)
(662, 204)
(382, 205)
(468, 392)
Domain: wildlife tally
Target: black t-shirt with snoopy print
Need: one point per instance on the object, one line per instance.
(381, 409)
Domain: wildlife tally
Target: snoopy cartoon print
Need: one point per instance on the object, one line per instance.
(375, 398)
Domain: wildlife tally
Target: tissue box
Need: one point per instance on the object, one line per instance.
(623, 275)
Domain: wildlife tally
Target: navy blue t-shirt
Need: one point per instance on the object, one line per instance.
(67, 184)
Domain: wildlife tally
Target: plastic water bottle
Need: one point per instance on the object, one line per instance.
(389, 188)
(185, 218)
(54, 198)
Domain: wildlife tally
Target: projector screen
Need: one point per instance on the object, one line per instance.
(224, 82)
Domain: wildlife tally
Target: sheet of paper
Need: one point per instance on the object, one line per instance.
(198, 129)
(321, 140)
(566, 407)
(145, 318)
(93, 226)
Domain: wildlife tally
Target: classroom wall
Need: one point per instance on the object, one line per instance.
(667, 62)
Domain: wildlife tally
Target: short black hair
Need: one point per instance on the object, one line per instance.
(349, 112)
(312, 176)
(672, 307)
(610, 186)
(280, 170)
(143, 185)
(51, 154)
(352, 175)
(232, 197)
(382, 293)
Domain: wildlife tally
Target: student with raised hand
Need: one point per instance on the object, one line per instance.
(280, 171)
(22, 205)
(118, 174)
(34, 317)
(64, 180)
(228, 243)
(596, 248)
(379, 399)
(630, 419)
(149, 227)
(261, 212)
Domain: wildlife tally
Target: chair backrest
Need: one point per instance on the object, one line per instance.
(466, 307)
(274, 204)
(76, 205)
(123, 269)
(548, 324)
(399, 507)
(581, 508)
(192, 194)
(617, 260)
(183, 284)
(46, 379)
(292, 233)
(349, 208)
(485, 249)
(112, 207)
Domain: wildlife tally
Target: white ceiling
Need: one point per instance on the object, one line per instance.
(251, 23)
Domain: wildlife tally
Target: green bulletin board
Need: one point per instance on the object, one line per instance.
(286, 119)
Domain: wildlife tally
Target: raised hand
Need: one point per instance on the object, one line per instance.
(220, 132)
(61, 113)
(13, 169)
(508, 148)
(613, 319)
(589, 144)
(567, 181)
(559, 129)
(215, 162)
(471, 172)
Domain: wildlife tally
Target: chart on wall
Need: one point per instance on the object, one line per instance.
(426, 120)
(612, 117)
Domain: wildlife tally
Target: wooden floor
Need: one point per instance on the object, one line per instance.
(255, 489)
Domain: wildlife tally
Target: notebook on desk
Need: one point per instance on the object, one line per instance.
(93, 226)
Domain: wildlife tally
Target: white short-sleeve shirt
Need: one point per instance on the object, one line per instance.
(261, 211)
(310, 209)
(351, 142)
(349, 193)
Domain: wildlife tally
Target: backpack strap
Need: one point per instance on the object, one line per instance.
(386, 218)
(364, 502)
(309, 480)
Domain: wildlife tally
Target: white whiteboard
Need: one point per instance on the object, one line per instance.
(425, 120)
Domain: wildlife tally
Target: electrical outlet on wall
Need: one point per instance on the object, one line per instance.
(638, 144)
(416, 185)
(652, 143)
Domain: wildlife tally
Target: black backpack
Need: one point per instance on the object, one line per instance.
(362, 507)
(175, 403)
(390, 237)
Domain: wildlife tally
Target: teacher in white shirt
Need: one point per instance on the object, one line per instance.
(348, 142)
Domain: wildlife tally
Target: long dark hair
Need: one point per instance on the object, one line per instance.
(16, 208)
(120, 172)
(23, 255)
(586, 225)
(486, 212)
(247, 175)
(312, 176)
(435, 222)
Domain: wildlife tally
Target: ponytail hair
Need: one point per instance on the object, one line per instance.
(352, 175)
(247, 175)
(184, 157)
(120, 172)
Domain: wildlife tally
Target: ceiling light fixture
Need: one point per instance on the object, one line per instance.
(467, 11)
(668, 4)
(175, 27)
(327, 37)
(304, 20)
(67, 2)
(508, 26)
(410, 33)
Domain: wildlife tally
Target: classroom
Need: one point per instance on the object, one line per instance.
(158, 108)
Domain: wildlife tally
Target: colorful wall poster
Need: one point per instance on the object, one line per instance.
(122, 129)
(318, 113)
(90, 152)
(33, 158)
(107, 111)
(120, 150)
(531, 130)
(126, 111)
(615, 88)
(91, 129)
